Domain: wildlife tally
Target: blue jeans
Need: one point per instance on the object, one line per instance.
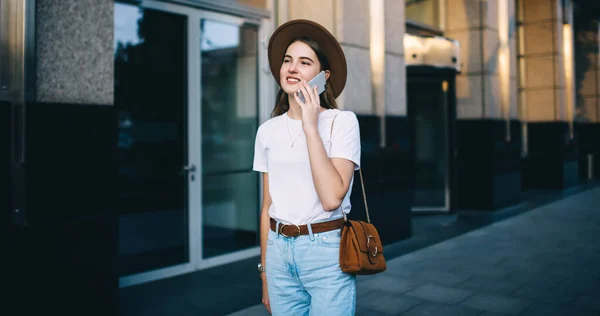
(304, 276)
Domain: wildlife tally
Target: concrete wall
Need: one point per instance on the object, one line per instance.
(74, 51)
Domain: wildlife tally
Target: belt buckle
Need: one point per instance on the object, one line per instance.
(282, 226)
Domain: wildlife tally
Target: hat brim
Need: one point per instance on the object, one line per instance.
(291, 30)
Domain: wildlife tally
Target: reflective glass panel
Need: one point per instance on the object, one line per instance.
(428, 108)
(423, 11)
(151, 99)
(229, 90)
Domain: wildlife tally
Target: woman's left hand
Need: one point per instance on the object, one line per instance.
(311, 107)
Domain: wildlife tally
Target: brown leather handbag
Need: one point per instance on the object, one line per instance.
(361, 251)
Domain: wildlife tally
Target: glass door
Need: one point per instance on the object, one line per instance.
(427, 103)
(186, 90)
(151, 98)
(229, 102)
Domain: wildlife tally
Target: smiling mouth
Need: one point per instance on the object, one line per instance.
(291, 80)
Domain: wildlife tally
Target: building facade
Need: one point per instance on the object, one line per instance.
(130, 124)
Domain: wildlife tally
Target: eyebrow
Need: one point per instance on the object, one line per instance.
(298, 58)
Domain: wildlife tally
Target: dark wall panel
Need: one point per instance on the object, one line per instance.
(5, 152)
(551, 150)
(588, 135)
(65, 259)
(488, 165)
(387, 177)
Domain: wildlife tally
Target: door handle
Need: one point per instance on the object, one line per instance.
(189, 168)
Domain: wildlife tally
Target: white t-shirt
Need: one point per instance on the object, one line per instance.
(295, 199)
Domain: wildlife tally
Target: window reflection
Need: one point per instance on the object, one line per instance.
(424, 11)
(151, 100)
(229, 124)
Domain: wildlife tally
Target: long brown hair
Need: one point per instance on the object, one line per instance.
(282, 104)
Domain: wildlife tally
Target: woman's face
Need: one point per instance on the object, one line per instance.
(300, 63)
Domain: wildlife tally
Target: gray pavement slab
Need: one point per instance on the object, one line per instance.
(439, 294)
(542, 262)
(555, 310)
(590, 302)
(496, 303)
(490, 285)
(389, 303)
(435, 309)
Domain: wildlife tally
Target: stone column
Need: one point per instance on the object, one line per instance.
(487, 134)
(551, 152)
(514, 52)
(395, 68)
(543, 82)
(74, 47)
(474, 24)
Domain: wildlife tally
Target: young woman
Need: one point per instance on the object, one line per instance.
(307, 154)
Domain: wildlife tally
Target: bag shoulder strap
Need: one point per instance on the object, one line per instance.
(362, 183)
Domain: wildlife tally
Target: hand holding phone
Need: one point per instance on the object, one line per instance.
(319, 81)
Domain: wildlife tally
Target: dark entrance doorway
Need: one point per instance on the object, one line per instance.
(431, 105)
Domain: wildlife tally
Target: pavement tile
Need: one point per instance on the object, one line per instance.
(481, 271)
(533, 278)
(363, 311)
(440, 294)
(555, 310)
(389, 283)
(511, 263)
(257, 310)
(589, 302)
(435, 309)
(381, 301)
(582, 284)
(486, 285)
(438, 264)
(468, 256)
(438, 277)
(496, 303)
(547, 294)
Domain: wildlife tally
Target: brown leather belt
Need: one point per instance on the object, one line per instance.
(291, 230)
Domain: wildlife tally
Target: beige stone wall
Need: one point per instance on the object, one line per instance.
(395, 66)
(74, 48)
(542, 86)
(474, 24)
(512, 35)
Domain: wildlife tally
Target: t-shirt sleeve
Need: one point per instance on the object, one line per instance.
(345, 138)
(260, 155)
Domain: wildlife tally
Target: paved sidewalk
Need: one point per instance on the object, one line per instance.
(543, 262)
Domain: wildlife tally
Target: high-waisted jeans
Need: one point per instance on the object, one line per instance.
(304, 275)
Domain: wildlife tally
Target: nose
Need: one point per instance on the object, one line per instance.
(293, 68)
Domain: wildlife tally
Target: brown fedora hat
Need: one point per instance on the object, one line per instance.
(287, 32)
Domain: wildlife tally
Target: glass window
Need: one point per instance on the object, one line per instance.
(230, 205)
(424, 11)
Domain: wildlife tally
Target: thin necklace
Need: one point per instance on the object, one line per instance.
(288, 130)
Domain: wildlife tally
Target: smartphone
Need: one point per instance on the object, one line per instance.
(319, 81)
